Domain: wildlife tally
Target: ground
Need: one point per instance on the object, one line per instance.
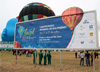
(25, 64)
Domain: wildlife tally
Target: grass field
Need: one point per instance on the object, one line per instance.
(25, 64)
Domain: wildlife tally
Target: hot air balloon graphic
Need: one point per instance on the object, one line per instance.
(35, 10)
(21, 31)
(72, 16)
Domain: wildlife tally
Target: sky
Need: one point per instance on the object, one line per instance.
(11, 9)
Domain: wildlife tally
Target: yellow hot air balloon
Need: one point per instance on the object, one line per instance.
(72, 16)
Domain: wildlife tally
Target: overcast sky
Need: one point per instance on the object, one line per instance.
(11, 8)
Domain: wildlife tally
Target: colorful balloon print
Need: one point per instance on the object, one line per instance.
(72, 16)
(21, 31)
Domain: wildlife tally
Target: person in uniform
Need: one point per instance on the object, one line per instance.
(45, 57)
(40, 57)
(49, 57)
(34, 52)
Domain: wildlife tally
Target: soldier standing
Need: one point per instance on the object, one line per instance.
(40, 57)
(34, 56)
(45, 57)
(49, 57)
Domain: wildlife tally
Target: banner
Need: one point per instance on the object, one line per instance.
(6, 44)
(57, 32)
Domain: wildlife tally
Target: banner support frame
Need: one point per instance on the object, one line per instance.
(60, 59)
(16, 56)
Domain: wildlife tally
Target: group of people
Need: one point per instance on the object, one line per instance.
(29, 53)
(20, 52)
(46, 56)
(41, 56)
(87, 56)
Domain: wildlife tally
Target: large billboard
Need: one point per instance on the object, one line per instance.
(54, 33)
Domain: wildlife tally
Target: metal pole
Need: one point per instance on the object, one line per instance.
(60, 60)
(99, 64)
(35, 58)
(93, 62)
(16, 56)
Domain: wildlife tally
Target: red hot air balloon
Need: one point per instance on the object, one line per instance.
(17, 45)
(72, 16)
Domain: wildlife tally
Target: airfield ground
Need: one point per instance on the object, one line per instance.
(25, 64)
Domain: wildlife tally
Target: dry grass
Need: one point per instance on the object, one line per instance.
(25, 64)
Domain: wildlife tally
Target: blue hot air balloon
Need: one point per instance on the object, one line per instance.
(8, 32)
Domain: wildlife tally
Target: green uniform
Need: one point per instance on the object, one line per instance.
(34, 56)
(49, 58)
(45, 55)
(40, 57)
